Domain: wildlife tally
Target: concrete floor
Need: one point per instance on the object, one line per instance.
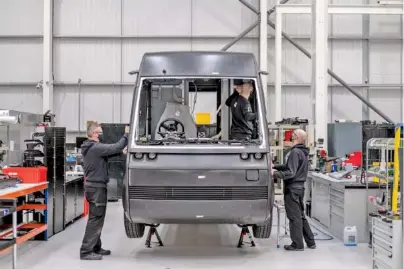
(186, 246)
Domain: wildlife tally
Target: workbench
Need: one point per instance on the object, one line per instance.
(336, 204)
(9, 237)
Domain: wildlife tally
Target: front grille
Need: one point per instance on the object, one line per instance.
(198, 193)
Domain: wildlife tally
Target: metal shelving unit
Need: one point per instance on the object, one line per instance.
(8, 207)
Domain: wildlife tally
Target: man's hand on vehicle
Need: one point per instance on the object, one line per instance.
(127, 129)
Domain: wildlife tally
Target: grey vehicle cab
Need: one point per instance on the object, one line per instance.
(182, 170)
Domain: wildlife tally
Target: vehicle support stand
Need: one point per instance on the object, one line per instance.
(245, 231)
(153, 231)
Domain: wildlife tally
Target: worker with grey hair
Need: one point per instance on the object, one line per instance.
(294, 175)
(95, 157)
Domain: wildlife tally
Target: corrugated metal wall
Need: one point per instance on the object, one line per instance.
(100, 41)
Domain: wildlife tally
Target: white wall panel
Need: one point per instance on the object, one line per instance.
(96, 103)
(346, 25)
(133, 51)
(385, 62)
(89, 60)
(388, 101)
(221, 18)
(296, 66)
(66, 106)
(21, 17)
(347, 60)
(156, 17)
(296, 102)
(26, 99)
(20, 60)
(87, 17)
(344, 105)
(127, 99)
(384, 25)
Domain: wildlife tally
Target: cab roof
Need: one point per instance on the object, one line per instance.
(198, 64)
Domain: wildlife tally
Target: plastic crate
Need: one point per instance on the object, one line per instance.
(28, 175)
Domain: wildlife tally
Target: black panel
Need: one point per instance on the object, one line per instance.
(50, 210)
(116, 172)
(196, 193)
(70, 206)
(59, 207)
(112, 132)
(55, 160)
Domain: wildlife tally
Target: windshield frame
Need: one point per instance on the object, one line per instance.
(135, 147)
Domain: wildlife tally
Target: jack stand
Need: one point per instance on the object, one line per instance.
(153, 231)
(245, 231)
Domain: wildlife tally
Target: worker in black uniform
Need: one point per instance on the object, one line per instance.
(242, 127)
(95, 156)
(294, 175)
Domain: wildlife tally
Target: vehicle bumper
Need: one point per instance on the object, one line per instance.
(195, 212)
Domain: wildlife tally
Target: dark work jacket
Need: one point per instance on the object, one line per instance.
(95, 159)
(294, 172)
(231, 99)
(242, 117)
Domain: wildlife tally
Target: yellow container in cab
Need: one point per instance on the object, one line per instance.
(202, 118)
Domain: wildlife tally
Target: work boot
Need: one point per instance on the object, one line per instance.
(91, 256)
(312, 246)
(103, 252)
(292, 248)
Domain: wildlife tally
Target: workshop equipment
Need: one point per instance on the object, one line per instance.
(28, 175)
(387, 242)
(374, 130)
(321, 159)
(7, 182)
(74, 197)
(337, 143)
(354, 158)
(13, 133)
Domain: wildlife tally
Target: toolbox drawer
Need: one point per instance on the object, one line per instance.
(337, 192)
(379, 265)
(383, 255)
(388, 227)
(377, 241)
(337, 195)
(337, 209)
(384, 235)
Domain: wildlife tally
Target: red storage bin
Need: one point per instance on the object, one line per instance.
(28, 175)
(288, 135)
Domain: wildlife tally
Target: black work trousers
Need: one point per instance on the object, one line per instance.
(97, 200)
(298, 224)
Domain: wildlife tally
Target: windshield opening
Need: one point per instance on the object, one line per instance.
(197, 111)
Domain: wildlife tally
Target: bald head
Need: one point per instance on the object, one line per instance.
(300, 136)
